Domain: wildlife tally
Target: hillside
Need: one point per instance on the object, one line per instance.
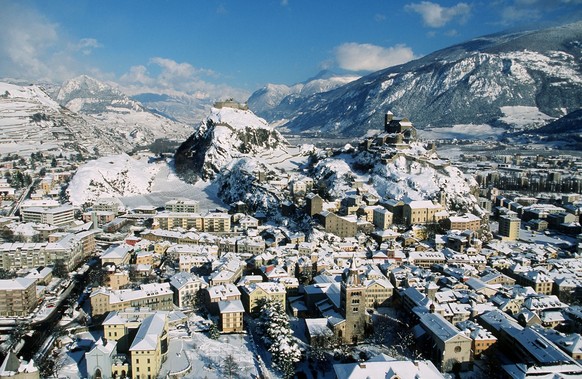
(31, 121)
(274, 101)
(488, 80)
(225, 135)
(116, 113)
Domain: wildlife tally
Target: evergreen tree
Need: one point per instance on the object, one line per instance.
(278, 337)
(213, 331)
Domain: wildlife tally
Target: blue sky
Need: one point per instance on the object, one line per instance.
(218, 48)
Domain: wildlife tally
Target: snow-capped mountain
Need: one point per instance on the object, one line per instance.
(488, 80)
(273, 101)
(227, 134)
(116, 113)
(31, 121)
(184, 109)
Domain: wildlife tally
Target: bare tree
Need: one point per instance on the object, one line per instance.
(230, 367)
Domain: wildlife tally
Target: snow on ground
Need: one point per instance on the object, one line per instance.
(137, 181)
(522, 117)
(111, 176)
(461, 131)
(167, 186)
(207, 355)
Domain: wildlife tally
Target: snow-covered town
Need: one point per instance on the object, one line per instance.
(269, 260)
(291, 189)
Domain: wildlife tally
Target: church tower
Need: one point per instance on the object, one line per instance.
(353, 304)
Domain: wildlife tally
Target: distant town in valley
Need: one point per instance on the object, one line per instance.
(133, 245)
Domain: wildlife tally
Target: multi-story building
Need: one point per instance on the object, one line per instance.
(422, 212)
(214, 222)
(186, 286)
(465, 222)
(509, 227)
(157, 296)
(61, 216)
(141, 333)
(183, 206)
(70, 249)
(17, 296)
(313, 204)
(99, 217)
(149, 348)
(231, 316)
(382, 218)
(341, 226)
(450, 346)
(254, 293)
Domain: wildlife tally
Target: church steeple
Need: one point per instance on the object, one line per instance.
(353, 277)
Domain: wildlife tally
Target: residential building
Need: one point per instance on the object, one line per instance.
(149, 348)
(61, 216)
(254, 293)
(230, 316)
(157, 296)
(382, 218)
(17, 296)
(509, 227)
(186, 286)
(183, 206)
(464, 222)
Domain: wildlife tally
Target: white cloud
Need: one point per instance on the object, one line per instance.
(436, 16)
(366, 57)
(35, 49)
(177, 79)
(86, 45)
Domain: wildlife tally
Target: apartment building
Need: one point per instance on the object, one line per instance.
(149, 348)
(214, 222)
(17, 296)
(464, 222)
(183, 206)
(231, 316)
(157, 296)
(60, 216)
(509, 227)
(254, 293)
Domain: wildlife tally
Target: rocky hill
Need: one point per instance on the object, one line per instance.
(225, 135)
(488, 80)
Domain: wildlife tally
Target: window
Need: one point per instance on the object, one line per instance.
(457, 349)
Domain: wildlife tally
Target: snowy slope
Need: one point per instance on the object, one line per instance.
(227, 134)
(272, 100)
(483, 81)
(416, 173)
(111, 176)
(115, 113)
(31, 121)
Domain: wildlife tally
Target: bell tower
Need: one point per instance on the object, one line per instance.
(353, 303)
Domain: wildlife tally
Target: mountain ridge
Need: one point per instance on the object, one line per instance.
(462, 84)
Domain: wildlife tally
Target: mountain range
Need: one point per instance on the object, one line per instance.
(514, 81)
(83, 115)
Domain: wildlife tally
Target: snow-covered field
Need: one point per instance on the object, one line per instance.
(136, 181)
(465, 131)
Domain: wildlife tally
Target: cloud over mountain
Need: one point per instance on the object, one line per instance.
(367, 57)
